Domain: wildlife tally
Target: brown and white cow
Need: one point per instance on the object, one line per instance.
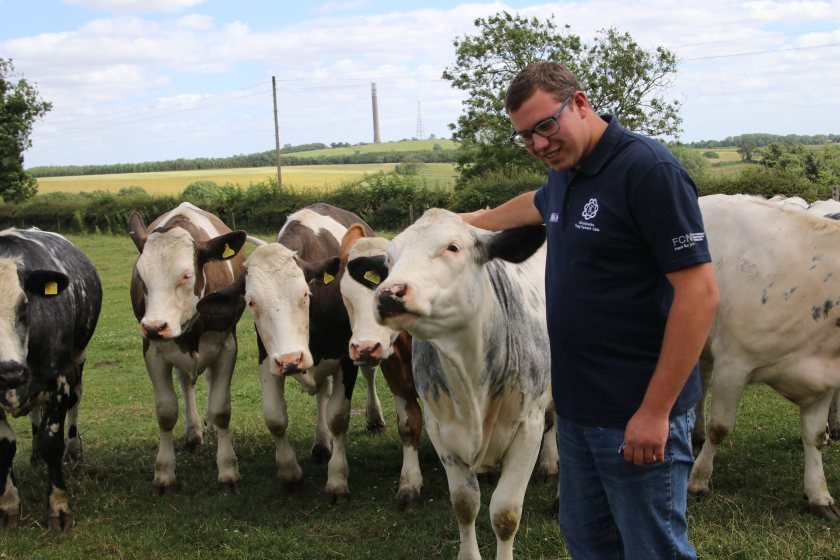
(302, 331)
(777, 323)
(184, 254)
(474, 301)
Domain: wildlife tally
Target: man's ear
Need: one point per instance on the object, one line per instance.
(321, 272)
(515, 244)
(221, 248)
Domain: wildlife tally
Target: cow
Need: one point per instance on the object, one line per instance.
(475, 304)
(51, 301)
(302, 331)
(777, 323)
(184, 254)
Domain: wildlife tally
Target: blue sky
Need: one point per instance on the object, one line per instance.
(144, 80)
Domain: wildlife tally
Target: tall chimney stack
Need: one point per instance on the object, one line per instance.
(375, 104)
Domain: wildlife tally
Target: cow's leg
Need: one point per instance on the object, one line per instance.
(698, 434)
(814, 438)
(465, 495)
(547, 466)
(166, 409)
(506, 502)
(193, 432)
(338, 420)
(409, 424)
(35, 420)
(373, 408)
(9, 498)
(276, 419)
(51, 448)
(73, 446)
(728, 384)
(834, 416)
(218, 414)
(322, 447)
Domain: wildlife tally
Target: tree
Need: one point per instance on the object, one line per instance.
(20, 105)
(617, 74)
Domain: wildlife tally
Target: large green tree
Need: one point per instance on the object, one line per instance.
(20, 105)
(617, 75)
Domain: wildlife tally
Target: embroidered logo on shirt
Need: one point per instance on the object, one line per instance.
(687, 240)
(555, 217)
(590, 210)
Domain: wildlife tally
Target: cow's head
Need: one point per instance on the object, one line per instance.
(435, 281)
(171, 270)
(364, 262)
(276, 288)
(19, 288)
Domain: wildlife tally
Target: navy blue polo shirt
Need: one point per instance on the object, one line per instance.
(615, 227)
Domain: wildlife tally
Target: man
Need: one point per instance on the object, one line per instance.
(630, 297)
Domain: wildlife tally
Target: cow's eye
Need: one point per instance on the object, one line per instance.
(453, 248)
(186, 277)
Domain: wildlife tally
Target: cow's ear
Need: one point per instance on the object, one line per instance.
(353, 234)
(221, 248)
(137, 230)
(45, 283)
(225, 302)
(321, 272)
(515, 244)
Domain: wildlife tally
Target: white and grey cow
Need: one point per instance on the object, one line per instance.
(291, 288)
(474, 301)
(777, 323)
(184, 254)
(48, 312)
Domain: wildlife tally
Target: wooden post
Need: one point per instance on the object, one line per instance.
(276, 133)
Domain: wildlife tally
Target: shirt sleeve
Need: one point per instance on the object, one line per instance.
(668, 215)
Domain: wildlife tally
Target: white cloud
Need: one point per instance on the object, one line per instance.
(331, 7)
(134, 6)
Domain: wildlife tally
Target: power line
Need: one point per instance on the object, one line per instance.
(790, 49)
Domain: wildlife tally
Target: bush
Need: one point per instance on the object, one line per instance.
(494, 188)
(711, 155)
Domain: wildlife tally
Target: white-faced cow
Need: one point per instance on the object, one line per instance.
(48, 312)
(303, 332)
(475, 304)
(362, 270)
(184, 254)
(778, 322)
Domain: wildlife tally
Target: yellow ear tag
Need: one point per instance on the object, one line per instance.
(328, 278)
(50, 288)
(372, 277)
(228, 252)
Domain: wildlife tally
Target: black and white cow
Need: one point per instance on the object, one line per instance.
(777, 323)
(474, 301)
(184, 254)
(302, 331)
(48, 312)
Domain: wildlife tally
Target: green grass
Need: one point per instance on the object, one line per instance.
(755, 510)
(399, 146)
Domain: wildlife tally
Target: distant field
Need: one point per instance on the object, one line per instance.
(401, 146)
(439, 175)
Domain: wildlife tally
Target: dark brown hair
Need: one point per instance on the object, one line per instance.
(551, 77)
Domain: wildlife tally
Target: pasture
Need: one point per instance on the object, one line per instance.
(326, 177)
(755, 509)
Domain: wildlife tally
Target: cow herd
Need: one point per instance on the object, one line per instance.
(453, 317)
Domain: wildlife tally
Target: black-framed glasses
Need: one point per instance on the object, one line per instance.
(546, 128)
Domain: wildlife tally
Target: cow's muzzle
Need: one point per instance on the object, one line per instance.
(390, 301)
(12, 375)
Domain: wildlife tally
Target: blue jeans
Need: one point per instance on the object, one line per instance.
(612, 509)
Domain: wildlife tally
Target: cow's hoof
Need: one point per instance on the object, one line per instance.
(35, 458)
(8, 521)
(193, 444)
(375, 426)
(62, 522)
(831, 513)
(834, 434)
(337, 497)
(293, 486)
(408, 500)
(321, 453)
(73, 449)
(555, 506)
(167, 489)
(545, 475)
(229, 487)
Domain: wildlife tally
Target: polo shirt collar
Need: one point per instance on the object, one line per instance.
(609, 140)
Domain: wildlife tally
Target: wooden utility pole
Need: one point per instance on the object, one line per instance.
(276, 133)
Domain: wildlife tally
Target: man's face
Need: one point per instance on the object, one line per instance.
(561, 150)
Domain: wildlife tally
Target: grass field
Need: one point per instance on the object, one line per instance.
(438, 175)
(755, 510)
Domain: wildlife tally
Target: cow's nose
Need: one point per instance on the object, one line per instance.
(390, 299)
(154, 331)
(288, 364)
(12, 374)
(365, 352)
